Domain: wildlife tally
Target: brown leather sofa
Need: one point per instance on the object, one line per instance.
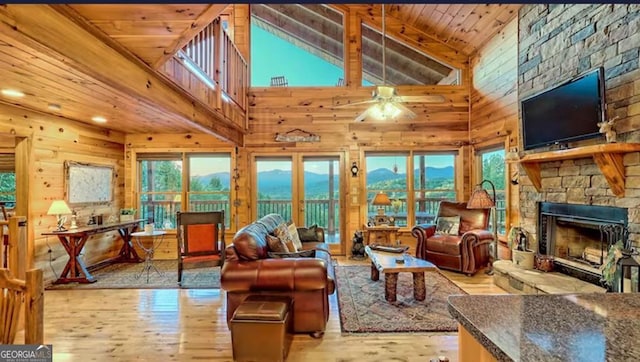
(466, 252)
(307, 281)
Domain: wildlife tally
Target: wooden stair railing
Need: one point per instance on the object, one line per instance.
(17, 295)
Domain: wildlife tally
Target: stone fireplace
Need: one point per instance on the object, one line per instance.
(579, 236)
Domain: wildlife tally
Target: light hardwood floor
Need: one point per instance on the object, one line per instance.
(183, 325)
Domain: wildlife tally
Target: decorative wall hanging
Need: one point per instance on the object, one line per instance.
(297, 135)
(88, 183)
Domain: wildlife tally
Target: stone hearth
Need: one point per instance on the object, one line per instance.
(520, 281)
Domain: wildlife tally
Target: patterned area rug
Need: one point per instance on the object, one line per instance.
(129, 276)
(363, 308)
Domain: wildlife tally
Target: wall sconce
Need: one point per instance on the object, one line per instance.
(354, 169)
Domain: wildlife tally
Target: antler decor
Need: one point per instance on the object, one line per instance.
(297, 135)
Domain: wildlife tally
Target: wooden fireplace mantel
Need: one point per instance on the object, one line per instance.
(607, 156)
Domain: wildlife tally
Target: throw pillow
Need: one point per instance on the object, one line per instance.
(299, 254)
(282, 233)
(448, 225)
(308, 234)
(276, 245)
(293, 230)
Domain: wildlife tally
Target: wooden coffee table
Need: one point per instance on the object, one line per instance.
(383, 262)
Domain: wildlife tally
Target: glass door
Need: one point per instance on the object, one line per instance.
(304, 188)
(320, 199)
(274, 193)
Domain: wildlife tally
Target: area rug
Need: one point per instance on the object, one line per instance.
(363, 308)
(128, 276)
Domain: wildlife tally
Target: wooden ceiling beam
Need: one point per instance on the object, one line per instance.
(206, 18)
(292, 18)
(44, 29)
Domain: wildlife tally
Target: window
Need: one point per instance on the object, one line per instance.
(493, 169)
(7, 179)
(160, 189)
(418, 193)
(161, 179)
(434, 180)
(296, 45)
(405, 66)
(388, 173)
(210, 183)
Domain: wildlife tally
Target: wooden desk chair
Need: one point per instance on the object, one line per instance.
(14, 293)
(200, 240)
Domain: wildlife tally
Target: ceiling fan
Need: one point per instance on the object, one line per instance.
(385, 101)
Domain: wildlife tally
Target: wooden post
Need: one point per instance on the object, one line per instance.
(17, 262)
(34, 308)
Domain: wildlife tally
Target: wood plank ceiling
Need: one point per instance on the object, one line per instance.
(152, 33)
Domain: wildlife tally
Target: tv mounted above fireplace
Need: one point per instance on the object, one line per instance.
(564, 113)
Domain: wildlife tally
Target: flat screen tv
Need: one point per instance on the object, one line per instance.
(564, 113)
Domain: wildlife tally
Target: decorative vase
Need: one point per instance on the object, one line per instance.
(523, 259)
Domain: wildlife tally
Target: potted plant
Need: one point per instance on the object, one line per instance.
(127, 214)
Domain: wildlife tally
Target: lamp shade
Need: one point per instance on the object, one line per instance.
(480, 199)
(381, 199)
(58, 207)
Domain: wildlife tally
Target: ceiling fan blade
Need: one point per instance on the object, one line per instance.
(353, 103)
(406, 112)
(423, 99)
(362, 116)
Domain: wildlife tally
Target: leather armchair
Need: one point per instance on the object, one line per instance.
(466, 252)
(307, 281)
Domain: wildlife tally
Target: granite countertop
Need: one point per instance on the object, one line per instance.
(569, 327)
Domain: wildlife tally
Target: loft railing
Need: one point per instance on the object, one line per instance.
(234, 77)
(215, 59)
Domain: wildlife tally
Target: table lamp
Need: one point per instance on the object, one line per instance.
(480, 199)
(381, 199)
(58, 208)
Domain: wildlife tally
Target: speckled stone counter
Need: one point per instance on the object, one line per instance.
(571, 327)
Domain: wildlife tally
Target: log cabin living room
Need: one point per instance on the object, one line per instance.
(490, 150)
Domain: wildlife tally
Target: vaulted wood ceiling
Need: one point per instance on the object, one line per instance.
(47, 52)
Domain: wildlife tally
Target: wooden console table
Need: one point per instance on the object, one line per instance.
(74, 240)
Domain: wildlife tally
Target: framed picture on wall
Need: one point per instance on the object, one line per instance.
(87, 183)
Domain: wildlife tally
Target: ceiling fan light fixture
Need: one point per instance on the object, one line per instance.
(385, 92)
(384, 110)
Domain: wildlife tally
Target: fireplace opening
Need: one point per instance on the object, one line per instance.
(579, 236)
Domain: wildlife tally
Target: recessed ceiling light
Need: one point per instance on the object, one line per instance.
(54, 107)
(12, 93)
(99, 119)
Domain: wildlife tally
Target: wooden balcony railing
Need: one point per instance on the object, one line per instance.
(218, 59)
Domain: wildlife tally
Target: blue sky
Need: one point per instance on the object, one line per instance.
(272, 56)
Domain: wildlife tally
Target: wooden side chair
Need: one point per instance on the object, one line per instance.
(15, 295)
(200, 240)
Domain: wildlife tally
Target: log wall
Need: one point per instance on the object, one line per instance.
(51, 141)
(494, 103)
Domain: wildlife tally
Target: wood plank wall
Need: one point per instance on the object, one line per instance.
(494, 102)
(437, 127)
(54, 140)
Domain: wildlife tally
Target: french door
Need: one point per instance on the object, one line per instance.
(303, 187)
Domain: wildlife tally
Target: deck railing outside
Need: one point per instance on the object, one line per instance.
(325, 213)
